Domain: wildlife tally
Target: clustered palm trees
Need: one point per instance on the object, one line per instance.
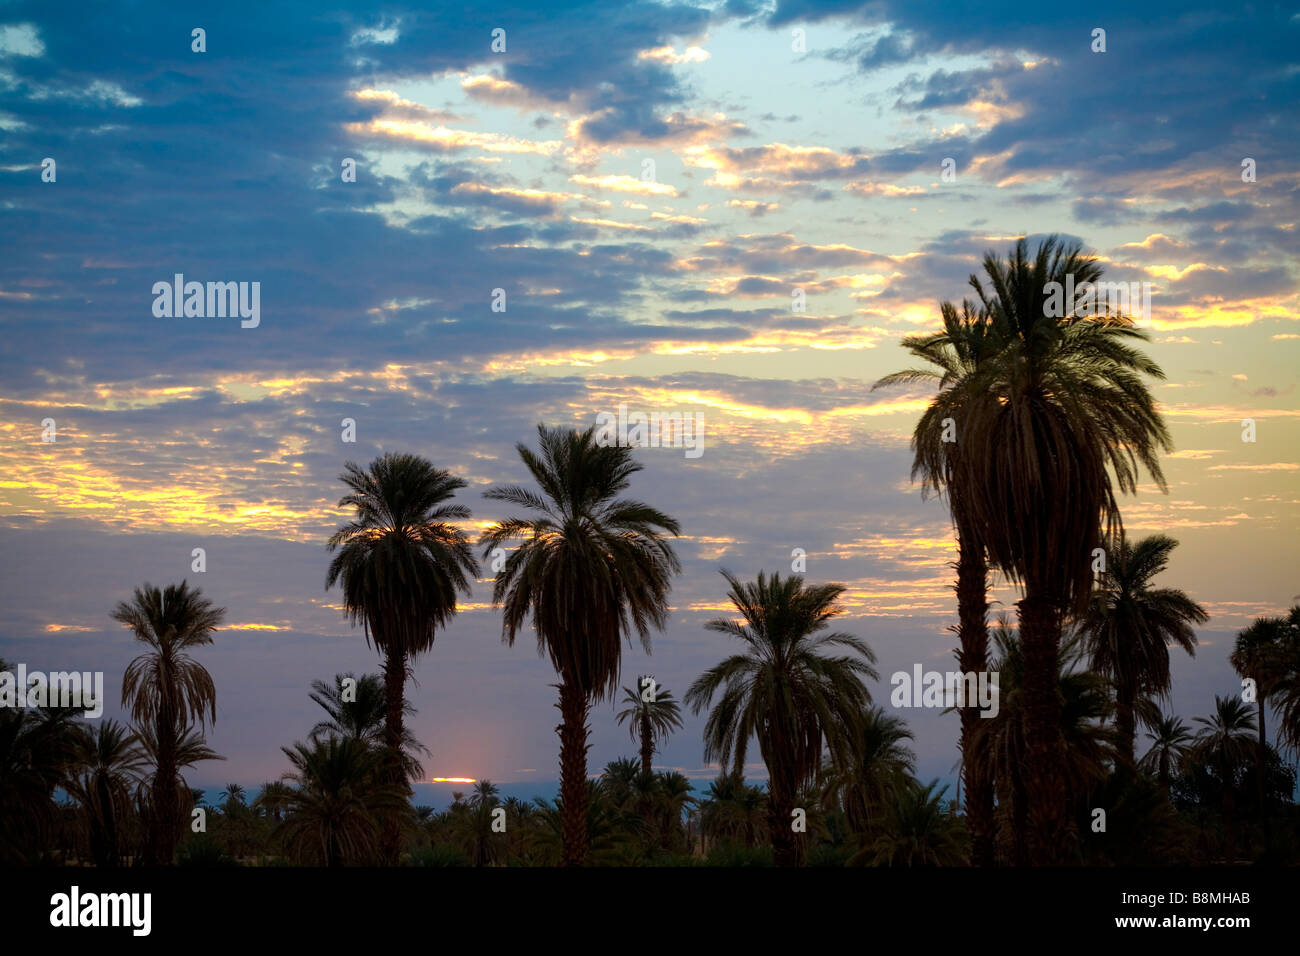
(1038, 424)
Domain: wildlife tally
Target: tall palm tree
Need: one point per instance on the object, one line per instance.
(401, 562)
(1259, 653)
(111, 763)
(1071, 409)
(881, 768)
(1171, 742)
(343, 790)
(651, 720)
(365, 717)
(1225, 744)
(166, 690)
(1130, 625)
(954, 356)
(791, 689)
(592, 568)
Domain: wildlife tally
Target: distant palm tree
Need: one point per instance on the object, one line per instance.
(342, 791)
(1226, 743)
(672, 799)
(232, 796)
(1071, 410)
(483, 800)
(733, 810)
(881, 768)
(592, 569)
(917, 830)
(1171, 743)
(969, 338)
(166, 689)
(365, 716)
(401, 562)
(1130, 625)
(786, 690)
(272, 800)
(651, 719)
(111, 763)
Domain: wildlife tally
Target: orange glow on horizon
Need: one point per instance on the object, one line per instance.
(454, 780)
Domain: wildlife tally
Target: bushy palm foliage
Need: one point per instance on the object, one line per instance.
(651, 718)
(110, 763)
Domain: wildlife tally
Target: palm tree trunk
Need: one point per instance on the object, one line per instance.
(647, 744)
(390, 842)
(164, 789)
(780, 803)
(1050, 841)
(973, 632)
(1126, 723)
(573, 772)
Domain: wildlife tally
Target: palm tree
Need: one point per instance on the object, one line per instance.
(592, 568)
(401, 563)
(343, 790)
(785, 690)
(111, 764)
(38, 748)
(1171, 742)
(1225, 744)
(732, 810)
(1130, 626)
(482, 802)
(166, 689)
(365, 716)
(1287, 689)
(955, 355)
(917, 831)
(1070, 408)
(652, 719)
(881, 768)
(1259, 653)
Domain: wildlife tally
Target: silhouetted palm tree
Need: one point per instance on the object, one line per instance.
(881, 768)
(917, 830)
(651, 719)
(1287, 689)
(733, 810)
(1171, 742)
(1071, 409)
(111, 763)
(364, 716)
(1226, 743)
(1130, 625)
(1260, 653)
(955, 355)
(166, 690)
(38, 749)
(786, 690)
(343, 791)
(402, 562)
(592, 568)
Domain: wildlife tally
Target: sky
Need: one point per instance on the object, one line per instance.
(735, 210)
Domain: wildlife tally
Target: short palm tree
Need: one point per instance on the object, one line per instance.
(881, 768)
(732, 810)
(651, 719)
(1072, 423)
(1130, 625)
(342, 791)
(953, 357)
(364, 716)
(1171, 742)
(401, 562)
(917, 830)
(111, 763)
(1225, 744)
(166, 690)
(592, 569)
(793, 689)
